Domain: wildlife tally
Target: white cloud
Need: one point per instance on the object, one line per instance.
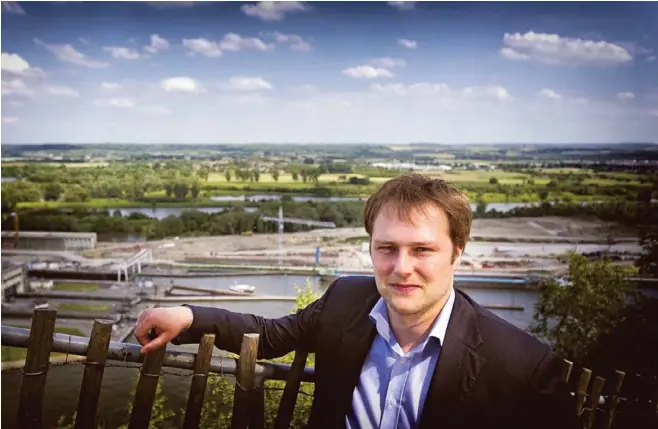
(367, 72)
(273, 11)
(155, 110)
(181, 84)
(387, 62)
(410, 44)
(15, 64)
(554, 49)
(10, 119)
(403, 5)
(111, 85)
(235, 42)
(16, 87)
(157, 44)
(625, 96)
(66, 91)
(13, 7)
(296, 43)
(68, 54)
(651, 59)
(84, 40)
(496, 92)
(549, 93)
(122, 53)
(203, 46)
(245, 83)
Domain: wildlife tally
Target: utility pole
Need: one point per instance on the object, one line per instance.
(280, 235)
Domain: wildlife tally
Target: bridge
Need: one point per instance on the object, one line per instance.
(135, 263)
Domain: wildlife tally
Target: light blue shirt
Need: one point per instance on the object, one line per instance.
(393, 385)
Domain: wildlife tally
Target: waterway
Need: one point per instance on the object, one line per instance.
(163, 212)
(63, 385)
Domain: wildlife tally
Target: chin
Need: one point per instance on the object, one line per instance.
(404, 306)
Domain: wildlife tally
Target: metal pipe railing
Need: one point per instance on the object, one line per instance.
(130, 352)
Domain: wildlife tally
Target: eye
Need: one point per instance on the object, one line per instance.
(423, 249)
(385, 249)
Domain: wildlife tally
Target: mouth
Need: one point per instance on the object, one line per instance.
(404, 287)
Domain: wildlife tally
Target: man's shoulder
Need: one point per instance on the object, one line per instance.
(502, 337)
(354, 286)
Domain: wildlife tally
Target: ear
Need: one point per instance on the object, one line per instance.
(457, 258)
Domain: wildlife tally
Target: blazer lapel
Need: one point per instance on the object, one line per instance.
(351, 353)
(457, 367)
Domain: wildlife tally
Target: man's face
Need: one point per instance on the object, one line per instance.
(413, 261)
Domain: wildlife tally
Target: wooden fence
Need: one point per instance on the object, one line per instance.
(596, 409)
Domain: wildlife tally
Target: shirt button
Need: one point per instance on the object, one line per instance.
(402, 360)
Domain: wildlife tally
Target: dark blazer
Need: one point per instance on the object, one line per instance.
(490, 374)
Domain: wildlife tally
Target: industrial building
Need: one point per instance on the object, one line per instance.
(13, 280)
(44, 240)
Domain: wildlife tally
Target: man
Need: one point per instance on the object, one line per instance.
(405, 349)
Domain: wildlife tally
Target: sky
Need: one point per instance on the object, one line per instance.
(329, 72)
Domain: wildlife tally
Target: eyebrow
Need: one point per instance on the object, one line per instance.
(416, 243)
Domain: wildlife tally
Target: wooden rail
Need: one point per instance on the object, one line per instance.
(595, 409)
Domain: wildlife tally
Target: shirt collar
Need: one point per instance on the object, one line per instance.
(379, 316)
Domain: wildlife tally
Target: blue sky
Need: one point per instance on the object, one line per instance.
(380, 72)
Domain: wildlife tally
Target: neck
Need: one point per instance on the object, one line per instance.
(412, 329)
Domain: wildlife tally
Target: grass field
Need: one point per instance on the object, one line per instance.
(88, 308)
(75, 287)
(267, 178)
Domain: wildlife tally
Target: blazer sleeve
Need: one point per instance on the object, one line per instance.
(277, 337)
(549, 404)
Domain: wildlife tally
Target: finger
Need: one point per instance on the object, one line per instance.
(160, 341)
(142, 330)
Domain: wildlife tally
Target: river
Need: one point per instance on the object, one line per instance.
(63, 385)
(162, 212)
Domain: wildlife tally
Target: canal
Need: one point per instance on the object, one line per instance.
(63, 385)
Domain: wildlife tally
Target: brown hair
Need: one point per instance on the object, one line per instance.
(410, 192)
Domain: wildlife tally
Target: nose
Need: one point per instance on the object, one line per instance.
(403, 265)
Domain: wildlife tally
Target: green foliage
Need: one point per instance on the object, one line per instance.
(574, 314)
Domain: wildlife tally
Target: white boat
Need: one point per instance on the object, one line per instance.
(243, 288)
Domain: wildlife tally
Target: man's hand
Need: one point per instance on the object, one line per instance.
(167, 323)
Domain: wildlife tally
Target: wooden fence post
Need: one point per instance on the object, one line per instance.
(614, 398)
(581, 389)
(146, 388)
(594, 397)
(199, 382)
(290, 391)
(568, 365)
(35, 372)
(245, 381)
(93, 374)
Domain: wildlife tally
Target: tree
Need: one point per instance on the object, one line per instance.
(194, 191)
(295, 176)
(575, 313)
(493, 181)
(275, 174)
(227, 175)
(52, 192)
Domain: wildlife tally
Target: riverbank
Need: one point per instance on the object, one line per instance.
(230, 198)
